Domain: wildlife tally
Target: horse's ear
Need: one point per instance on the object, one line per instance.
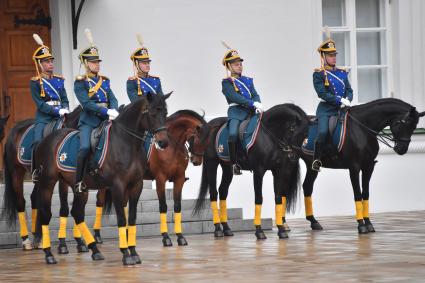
(166, 96)
(421, 114)
(149, 96)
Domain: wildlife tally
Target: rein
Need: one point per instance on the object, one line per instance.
(283, 143)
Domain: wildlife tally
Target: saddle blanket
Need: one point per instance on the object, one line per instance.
(338, 135)
(248, 131)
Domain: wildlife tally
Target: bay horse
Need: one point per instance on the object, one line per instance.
(364, 128)
(14, 173)
(187, 134)
(282, 129)
(122, 172)
(3, 122)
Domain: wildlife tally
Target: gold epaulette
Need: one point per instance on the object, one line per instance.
(342, 69)
(59, 76)
(155, 77)
(318, 69)
(35, 78)
(104, 77)
(80, 77)
(132, 78)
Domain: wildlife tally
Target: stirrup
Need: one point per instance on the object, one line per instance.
(316, 165)
(236, 169)
(80, 187)
(34, 176)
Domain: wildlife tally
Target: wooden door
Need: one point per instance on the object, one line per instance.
(19, 19)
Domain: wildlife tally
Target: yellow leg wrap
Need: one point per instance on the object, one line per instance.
(257, 217)
(279, 214)
(33, 220)
(366, 209)
(359, 210)
(308, 206)
(88, 237)
(223, 211)
(98, 221)
(132, 236)
(76, 231)
(62, 227)
(122, 233)
(45, 236)
(283, 206)
(214, 208)
(178, 223)
(163, 228)
(23, 224)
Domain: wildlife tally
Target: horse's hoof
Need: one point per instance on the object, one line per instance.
(362, 229)
(97, 256)
(136, 259)
(370, 228)
(63, 249)
(98, 239)
(128, 260)
(286, 227)
(218, 234)
(167, 242)
(228, 233)
(260, 235)
(51, 259)
(181, 241)
(282, 234)
(27, 245)
(82, 248)
(316, 226)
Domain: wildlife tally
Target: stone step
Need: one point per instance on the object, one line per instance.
(9, 240)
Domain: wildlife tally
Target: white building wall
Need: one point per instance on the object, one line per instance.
(278, 40)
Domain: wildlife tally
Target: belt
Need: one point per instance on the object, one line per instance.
(103, 104)
(53, 103)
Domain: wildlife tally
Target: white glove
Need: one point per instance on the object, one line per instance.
(345, 102)
(112, 113)
(258, 107)
(63, 111)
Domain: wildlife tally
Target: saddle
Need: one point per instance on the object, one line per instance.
(96, 134)
(53, 126)
(333, 122)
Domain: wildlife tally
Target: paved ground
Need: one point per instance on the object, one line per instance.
(395, 253)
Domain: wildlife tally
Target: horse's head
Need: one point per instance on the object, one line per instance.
(3, 122)
(402, 129)
(157, 113)
(198, 143)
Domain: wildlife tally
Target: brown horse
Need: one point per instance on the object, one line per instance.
(185, 127)
(14, 171)
(121, 172)
(3, 122)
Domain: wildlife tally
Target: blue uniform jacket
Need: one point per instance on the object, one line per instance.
(150, 84)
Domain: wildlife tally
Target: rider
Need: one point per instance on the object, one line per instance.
(242, 98)
(48, 92)
(334, 90)
(142, 83)
(98, 101)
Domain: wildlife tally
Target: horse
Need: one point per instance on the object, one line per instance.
(122, 172)
(14, 173)
(282, 129)
(364, 127)
(187, 133)
(3, 122)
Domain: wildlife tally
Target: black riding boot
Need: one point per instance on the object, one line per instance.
(34, 172)
(234, 159)
(317, 163)
(81, 164)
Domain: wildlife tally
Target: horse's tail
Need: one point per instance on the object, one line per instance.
(203, 190)
(10, 199)
(293, 188)
(107, 208)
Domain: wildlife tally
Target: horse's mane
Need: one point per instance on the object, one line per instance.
(295, 110)
(371, 104)
(186, 112)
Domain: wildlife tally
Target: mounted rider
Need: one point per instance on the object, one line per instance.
(49, 95)
(333, 88)
(142, 83)
(95, 95)
(242, 98)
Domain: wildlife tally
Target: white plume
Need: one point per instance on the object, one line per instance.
(89, 36)
(140, 39)
(37, 39)
(226, 45)
(327, 32)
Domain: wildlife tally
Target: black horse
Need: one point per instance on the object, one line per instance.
(283, 128)
(14, 173)
(122, 173)
(364, 128)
